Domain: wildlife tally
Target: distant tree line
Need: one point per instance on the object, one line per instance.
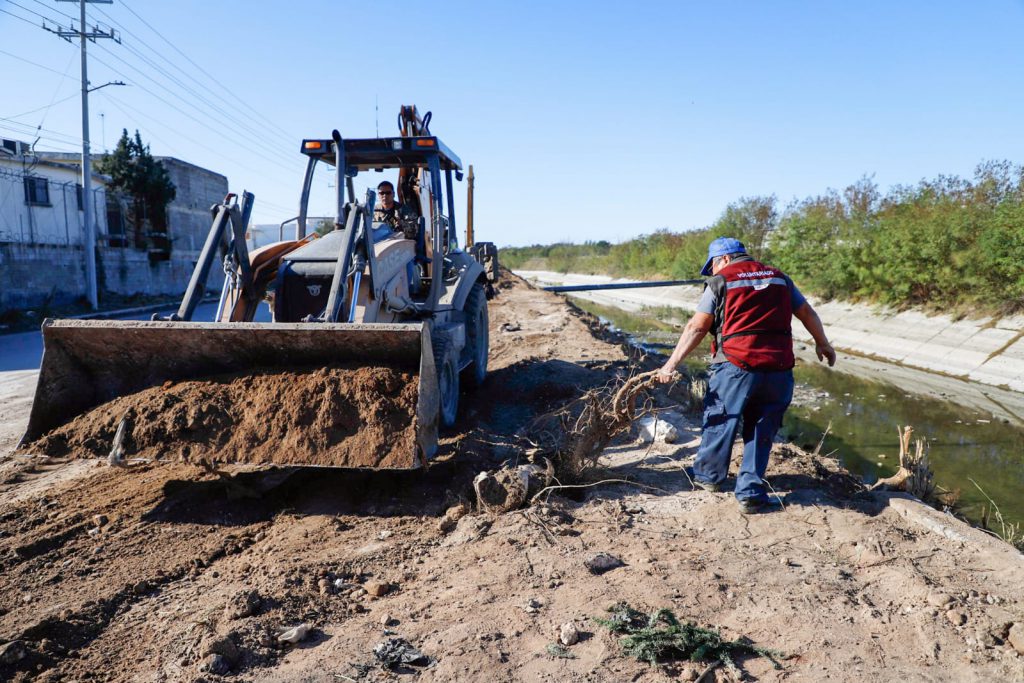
(948, 243)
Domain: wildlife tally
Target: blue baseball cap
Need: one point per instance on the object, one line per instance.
(721, 247)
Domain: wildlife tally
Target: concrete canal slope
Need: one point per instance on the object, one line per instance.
(986, 351)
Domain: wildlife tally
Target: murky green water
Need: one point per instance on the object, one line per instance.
(864, 416)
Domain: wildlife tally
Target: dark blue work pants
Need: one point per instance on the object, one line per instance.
(758, 398)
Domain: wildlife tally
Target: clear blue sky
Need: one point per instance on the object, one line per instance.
(583, 120)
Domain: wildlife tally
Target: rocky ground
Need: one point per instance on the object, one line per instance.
(163, 572)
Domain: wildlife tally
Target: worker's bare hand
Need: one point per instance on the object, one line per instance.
(667, 374)
(825, 351)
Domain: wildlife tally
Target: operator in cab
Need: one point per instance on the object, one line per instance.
(400, 217)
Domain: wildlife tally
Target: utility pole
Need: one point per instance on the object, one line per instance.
(89, 227)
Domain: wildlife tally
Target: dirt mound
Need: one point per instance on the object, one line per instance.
(335, 416)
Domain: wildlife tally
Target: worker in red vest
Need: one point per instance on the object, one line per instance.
(747, 307)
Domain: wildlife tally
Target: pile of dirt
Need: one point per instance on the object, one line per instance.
(341, 416)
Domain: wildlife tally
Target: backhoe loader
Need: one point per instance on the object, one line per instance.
(362, 294)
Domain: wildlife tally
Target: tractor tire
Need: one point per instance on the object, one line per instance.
(447, 380)
(477, 336)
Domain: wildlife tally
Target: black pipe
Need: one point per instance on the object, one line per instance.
(621, 285)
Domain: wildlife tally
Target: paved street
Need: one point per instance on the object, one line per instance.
(24, 351)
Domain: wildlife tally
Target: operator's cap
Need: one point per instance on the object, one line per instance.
(721, 247)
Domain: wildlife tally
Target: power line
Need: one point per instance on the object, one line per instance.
(47, 107)
(40, 2)
(221, 129)
(222, 133)
(278, 206)
(192, 92)
(206, 73)
(36, 132)
(17, 16)
(123, 105)
(30, 11)
(213, 112)
(243, 111)
(115, 71)
(57, 90)
(32, 128)
(22, 59)
(149, 131)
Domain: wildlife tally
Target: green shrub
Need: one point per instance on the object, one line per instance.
(948, 244)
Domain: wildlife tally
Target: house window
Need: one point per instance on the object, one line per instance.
(37, 191)
(78, 196)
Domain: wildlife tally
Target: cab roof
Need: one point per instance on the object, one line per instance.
(378, 153)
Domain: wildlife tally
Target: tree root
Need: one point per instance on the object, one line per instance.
(575, 435)
(915, 473)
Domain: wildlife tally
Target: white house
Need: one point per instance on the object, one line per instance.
(41, 199)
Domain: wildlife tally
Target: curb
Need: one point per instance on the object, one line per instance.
(151, 308)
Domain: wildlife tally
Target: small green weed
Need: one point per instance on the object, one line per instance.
(660, 636)
(559, 651)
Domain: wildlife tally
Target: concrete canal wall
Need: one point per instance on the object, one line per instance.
(988, 351)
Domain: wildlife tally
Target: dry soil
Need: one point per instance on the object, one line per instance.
(161, 571)
(334, 416)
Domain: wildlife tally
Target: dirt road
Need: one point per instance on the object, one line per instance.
(161, 572)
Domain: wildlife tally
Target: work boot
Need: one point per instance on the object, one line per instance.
(706, 485)
(756, 506)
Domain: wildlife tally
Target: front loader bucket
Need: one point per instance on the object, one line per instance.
(89, 362)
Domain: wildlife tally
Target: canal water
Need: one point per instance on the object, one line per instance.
(862, 418)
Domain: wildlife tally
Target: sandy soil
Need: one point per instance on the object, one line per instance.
(162, 572)
(334, 416)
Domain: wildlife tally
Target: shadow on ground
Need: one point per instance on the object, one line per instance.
(484, 437)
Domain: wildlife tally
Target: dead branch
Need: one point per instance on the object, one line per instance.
(915, 474)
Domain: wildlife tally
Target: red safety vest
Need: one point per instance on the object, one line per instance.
(752, 319)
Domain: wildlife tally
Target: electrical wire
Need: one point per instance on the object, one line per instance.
(128, 110)
(206, 73)
(121, 107)
(149, 130)
(244, 111)
(55, 137)
(134, 113)
(56, 90)
(17, 16)
(40, 2)
(221, 133)
(198, 96)
(43, 134)
(64, 74)
(47, 107)
(22, 59)
(224, 118)
(30, 11)
(148, 61)
(44, 130)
